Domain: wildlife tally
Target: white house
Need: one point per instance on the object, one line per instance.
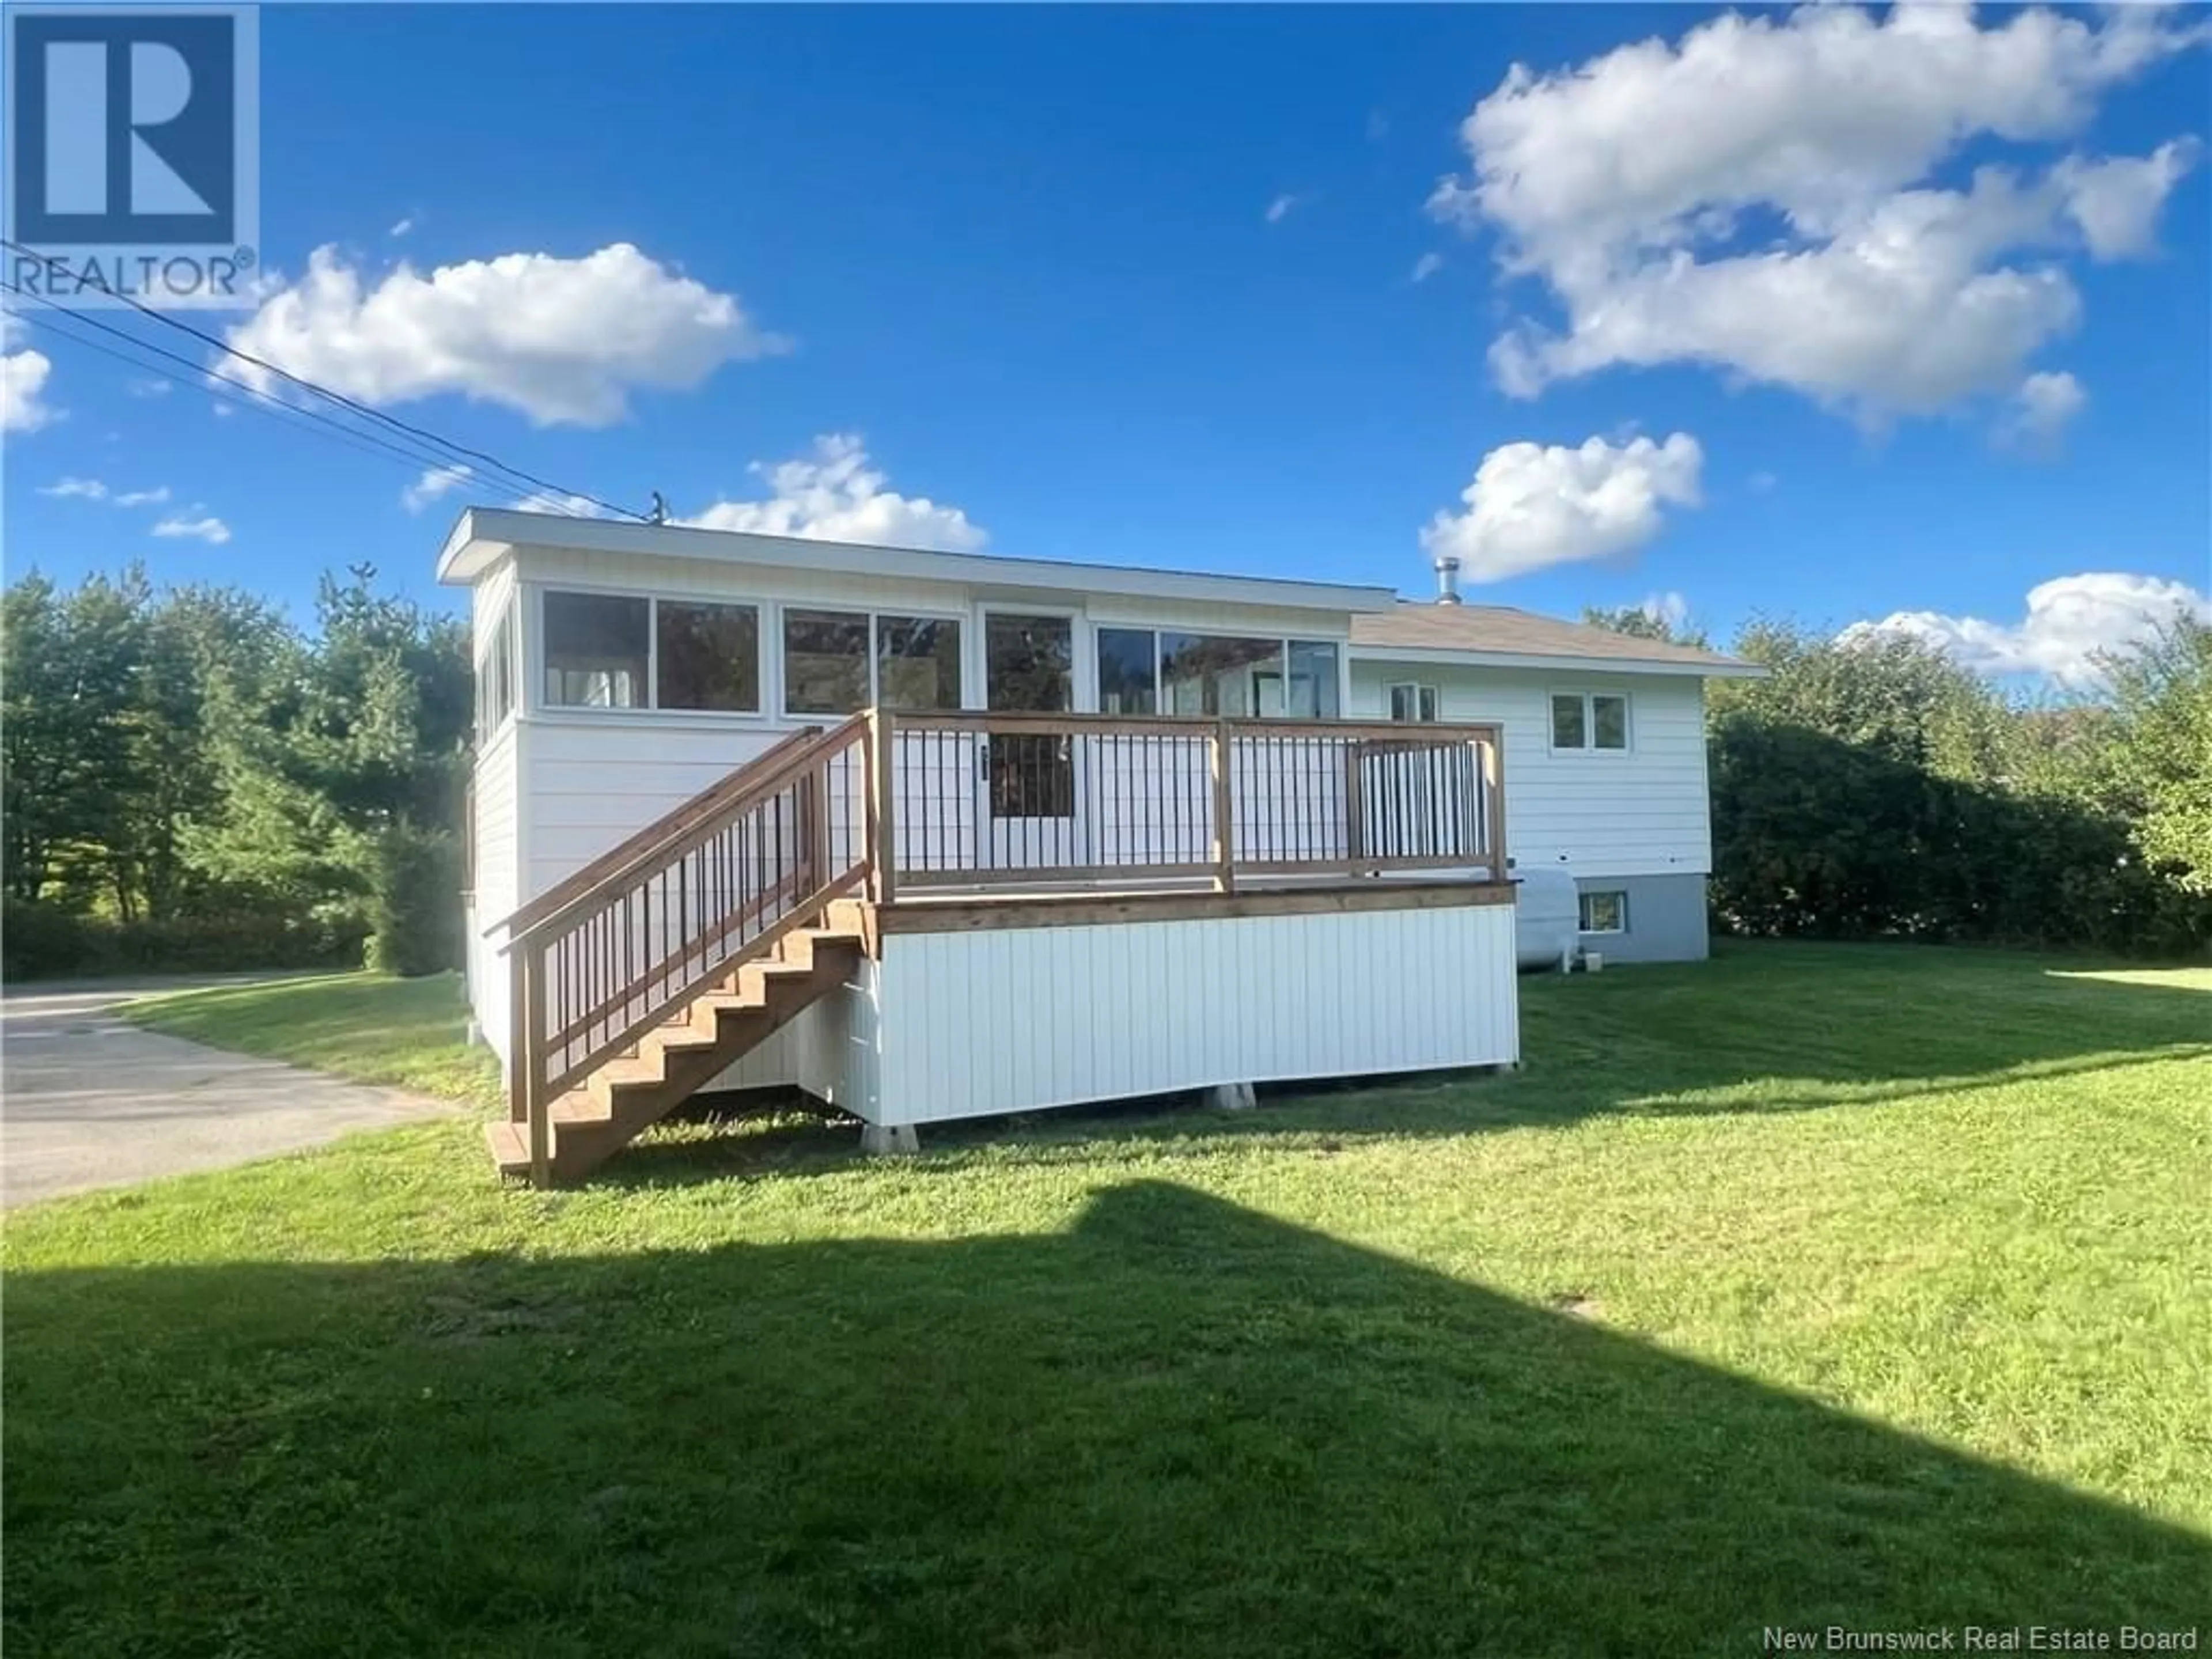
(1605, 752)
(939, 835)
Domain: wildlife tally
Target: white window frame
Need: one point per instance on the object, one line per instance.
(875, 616)
(506, 630)
(1281, 670)
(769, 653)
(1419, 689)
(1582, 911)
(1589, 746)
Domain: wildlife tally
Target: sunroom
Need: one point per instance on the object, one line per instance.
(997, 806)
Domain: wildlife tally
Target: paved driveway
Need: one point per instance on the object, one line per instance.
(92, 1101)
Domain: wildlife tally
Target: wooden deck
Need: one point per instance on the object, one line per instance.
(646, 974)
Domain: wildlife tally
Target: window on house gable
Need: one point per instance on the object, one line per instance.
(1589, 719)
(1413, 703)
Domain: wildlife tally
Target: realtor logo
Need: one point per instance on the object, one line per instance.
(133, 153)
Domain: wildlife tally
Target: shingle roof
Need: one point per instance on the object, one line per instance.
(1502, 630)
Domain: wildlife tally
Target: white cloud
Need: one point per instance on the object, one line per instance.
(1279, 209)
(834, 494)
(402, 227)
(2069, 622)
(22, 380)
(2116, 201)
(434, 482)
(1670, 607)
(207, 528)
(1531, 507)
(2041, 410)
(92, 490)
(1755, 198)
(567, 507)
(1762, 483)
(563, 340)
(154, 386)
(1427, 266)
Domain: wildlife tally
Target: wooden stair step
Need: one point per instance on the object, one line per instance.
(643, 1072)
(689, 1047)
(577, 1109)
(804, 944)
(676, 1035)
(510, 1147)
(758, 981)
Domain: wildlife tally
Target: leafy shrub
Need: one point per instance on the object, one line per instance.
(40, 940)
(415, 902)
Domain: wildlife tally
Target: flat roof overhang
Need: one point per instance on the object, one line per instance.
(482, 535)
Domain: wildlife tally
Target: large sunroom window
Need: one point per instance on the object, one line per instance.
(624, 651)
(598, 647)
(1144, 671)
(839, 662)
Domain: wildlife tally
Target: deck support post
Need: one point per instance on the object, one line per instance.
(1225, 842)
(889, 1139)
(1493, 781)
(529, 1059)
(1232, 1098)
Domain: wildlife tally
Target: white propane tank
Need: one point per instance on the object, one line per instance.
(1546, 917)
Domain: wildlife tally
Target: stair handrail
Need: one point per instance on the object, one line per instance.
(616, 980)
(619, 859)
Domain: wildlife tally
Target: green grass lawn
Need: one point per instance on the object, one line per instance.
(406, 1033)
(1815, 1285)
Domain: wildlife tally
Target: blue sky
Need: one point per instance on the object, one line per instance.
(1140, 285)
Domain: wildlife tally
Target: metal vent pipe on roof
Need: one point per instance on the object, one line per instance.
(1447, 579)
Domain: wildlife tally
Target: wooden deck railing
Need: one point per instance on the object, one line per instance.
(642, 932)
(997, 800)
(978, 801)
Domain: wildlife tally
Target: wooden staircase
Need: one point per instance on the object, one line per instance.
(643, 977)
(688, 1049)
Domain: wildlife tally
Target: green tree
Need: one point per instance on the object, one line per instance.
(1636, 622)
(342, 767)
(2153, 765)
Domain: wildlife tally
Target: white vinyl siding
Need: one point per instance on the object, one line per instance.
(1642, 810)
(498, 877)
(1154, 1007)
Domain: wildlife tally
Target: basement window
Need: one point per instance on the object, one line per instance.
(1605, 912)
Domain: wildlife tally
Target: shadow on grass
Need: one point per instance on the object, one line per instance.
(1177, 1428)
(1762, 1028)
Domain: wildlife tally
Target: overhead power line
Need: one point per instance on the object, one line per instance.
(254, 400)
(420, 435)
